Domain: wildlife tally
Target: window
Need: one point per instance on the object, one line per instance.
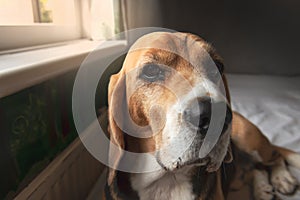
(32, 22)
(26, 12)
(25, 23)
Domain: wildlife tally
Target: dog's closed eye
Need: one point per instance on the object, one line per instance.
(152, 73)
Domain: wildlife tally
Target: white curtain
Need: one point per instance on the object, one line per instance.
(98, 19)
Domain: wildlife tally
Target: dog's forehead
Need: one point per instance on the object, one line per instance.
(165, 48)
(159, 40)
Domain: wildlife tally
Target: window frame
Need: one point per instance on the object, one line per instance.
(14, 37)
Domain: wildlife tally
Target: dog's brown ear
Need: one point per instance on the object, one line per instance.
(116, 103)
(226, 88)
(228, 158)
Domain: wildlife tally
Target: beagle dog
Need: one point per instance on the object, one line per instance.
(170, 86)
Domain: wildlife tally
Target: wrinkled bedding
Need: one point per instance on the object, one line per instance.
(270, 102)
(273, 104)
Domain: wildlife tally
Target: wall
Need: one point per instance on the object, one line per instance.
(252, 36)
(140, 13)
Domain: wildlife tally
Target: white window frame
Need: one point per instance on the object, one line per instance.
(23, 36)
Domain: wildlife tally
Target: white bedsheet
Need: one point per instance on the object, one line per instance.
(270, 102)
(273, 104)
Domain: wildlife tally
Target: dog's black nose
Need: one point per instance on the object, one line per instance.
(198, 114)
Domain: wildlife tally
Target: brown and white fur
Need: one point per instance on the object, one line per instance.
(242, 155)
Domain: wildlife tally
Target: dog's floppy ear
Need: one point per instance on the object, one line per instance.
(228, 158)
(116, 102)
(226, 88)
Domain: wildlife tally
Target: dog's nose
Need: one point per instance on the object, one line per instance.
(198, 114)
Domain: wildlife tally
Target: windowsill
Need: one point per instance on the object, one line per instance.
(25, 69)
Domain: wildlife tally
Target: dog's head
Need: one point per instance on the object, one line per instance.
(162, 102)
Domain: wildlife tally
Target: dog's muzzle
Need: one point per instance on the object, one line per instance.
(199, 111)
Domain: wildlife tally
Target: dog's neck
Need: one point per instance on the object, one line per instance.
(164, 185)
(185, 183)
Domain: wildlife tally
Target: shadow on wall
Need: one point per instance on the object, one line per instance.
(256, 37)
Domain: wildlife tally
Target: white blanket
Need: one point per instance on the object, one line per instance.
(270, 102)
